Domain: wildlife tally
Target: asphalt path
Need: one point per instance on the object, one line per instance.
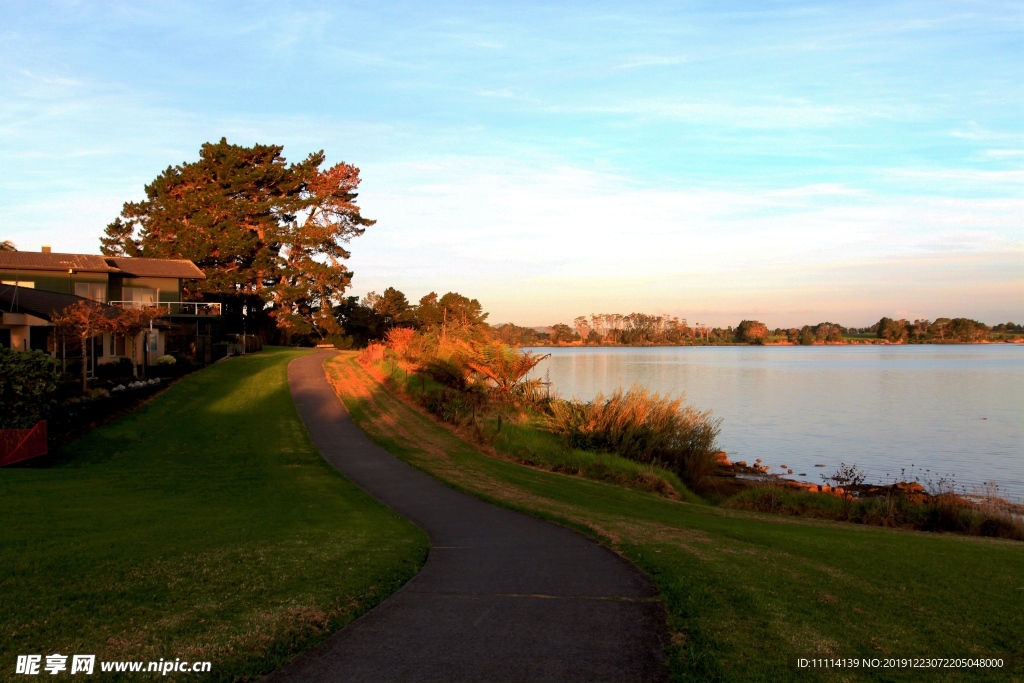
(502, 597)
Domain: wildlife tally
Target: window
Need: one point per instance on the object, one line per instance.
(143, 295)
(20, 283)
(97, 291)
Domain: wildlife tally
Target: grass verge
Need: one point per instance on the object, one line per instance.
(516, 435)
(204, 526)
(748, 595)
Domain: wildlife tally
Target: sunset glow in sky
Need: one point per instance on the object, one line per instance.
(790, 162)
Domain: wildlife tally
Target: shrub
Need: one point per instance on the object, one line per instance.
(399, 339)
(373, 353)
(892, 509)
(166, 360)
(847, 478)
(446, 371)
(450, 406)
(122, 367)
(643, 427)
(341, 342)
(29, 381)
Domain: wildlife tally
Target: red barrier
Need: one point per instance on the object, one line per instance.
(21, 444)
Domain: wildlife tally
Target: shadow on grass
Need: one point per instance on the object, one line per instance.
(203, 525)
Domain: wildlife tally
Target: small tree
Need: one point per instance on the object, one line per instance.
(131, 322)
(846, 477)
(84, 320)
(399, 340)
(505, 365)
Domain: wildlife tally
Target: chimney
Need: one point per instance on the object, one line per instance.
(47, 249)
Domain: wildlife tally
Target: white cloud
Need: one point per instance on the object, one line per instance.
(1003, 153)
(973, 175)
(536, 244)
(972, 131)
(756, 116)
(503, 92)
(650, 60)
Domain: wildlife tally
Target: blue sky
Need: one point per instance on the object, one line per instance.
(792, 162)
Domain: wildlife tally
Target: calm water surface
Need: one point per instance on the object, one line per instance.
(948, 411)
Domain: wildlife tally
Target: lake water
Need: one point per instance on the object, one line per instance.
(945, 411)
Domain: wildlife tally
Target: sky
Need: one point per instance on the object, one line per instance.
(791, 162)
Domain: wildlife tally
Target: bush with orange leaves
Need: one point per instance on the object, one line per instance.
(373, 353)
(399, 339)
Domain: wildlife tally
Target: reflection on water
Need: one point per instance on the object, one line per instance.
(945, 410)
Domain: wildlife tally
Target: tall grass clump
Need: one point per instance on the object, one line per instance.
(644, 427)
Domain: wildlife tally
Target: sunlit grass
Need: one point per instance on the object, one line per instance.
(203, 526)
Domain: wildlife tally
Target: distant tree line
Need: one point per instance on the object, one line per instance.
(639, 329)
(614, 329)
(941, 330)
(370, 319)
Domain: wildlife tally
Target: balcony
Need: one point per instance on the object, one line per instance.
(175, 308)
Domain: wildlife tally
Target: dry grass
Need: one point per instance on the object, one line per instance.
(644, 427)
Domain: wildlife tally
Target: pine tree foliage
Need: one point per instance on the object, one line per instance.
(265, 232)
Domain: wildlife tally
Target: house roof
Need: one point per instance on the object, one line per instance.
(157, 267)
(35, 260)
(46, 305)
(90, 263)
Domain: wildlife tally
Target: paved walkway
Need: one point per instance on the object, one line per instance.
(502, 597)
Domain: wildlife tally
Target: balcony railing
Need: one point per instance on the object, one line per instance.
(195, 308)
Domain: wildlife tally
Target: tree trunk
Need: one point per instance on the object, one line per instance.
(85, 364)
(135, 353)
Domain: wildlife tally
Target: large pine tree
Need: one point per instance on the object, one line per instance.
(266, 233)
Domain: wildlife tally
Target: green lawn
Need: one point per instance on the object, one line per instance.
(747, 595)
(203, 526)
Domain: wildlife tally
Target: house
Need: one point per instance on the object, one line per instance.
(34, 286)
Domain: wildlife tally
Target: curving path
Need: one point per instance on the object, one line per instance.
(502, 596)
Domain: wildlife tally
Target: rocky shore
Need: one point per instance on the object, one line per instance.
(731, 477)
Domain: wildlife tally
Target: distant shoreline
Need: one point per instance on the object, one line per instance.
(852, 342)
